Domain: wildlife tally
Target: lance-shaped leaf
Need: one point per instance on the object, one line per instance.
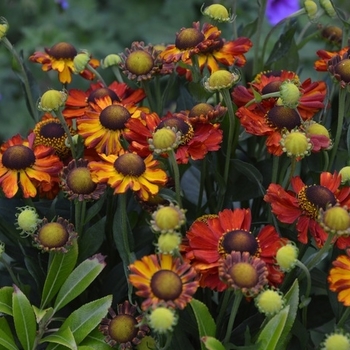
(24, 319)
(205, 322)
(6, 300)
(270, 336)
(96, 340)
(85, 319)
(6, 338)
(61, 265)
(61, 337)
(81, 277)
(212, 343)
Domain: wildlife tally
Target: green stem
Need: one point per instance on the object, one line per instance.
(97, 74)
(80, 210)
(275, 162)
(201, 187)
(223, 306)
(176, 174)
(11, 273)
(320, 255)
(258, 61)
(236, 302)
(227, 99)
(63, 122)
(341, 112)
(344, 317)
(308, 289)
(31, 102)
(117, 74)
(145, 84)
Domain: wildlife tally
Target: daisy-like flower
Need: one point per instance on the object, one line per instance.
(129, 170)
(55, 236)
(163, 279)
(206, 43)
(141, 62)
(24, 166)
(339, 67)
(208, 241)
(103, 127)
(268, 117)
(78, 101)
(318, 134)
(196, 141)
(76, 182)
(339, 279)
(124, 327)
(60, 58)
(241, 271)
(50, 132)
(321, 64)
(205, 113)
(303, 203)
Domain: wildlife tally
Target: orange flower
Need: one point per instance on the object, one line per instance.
(26, 167)
(339, 279)
(163, 279)
(104, 125)
(321, 65)
(129, 170)
(302, 204)
(207, 242)
(196, 141)
(60, 58)
(78, 101)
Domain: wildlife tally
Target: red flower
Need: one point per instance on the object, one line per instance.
(208, 241)
(196, 141)
(302, 204)
(78, 101)
(268, 119)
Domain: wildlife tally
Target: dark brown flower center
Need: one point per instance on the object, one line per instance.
(166, 285)
(18, 157)
(79, 181)
(343, 70)
(238, 240)
(184, 127)
(114, 117)
(102, 92)
(62, 50)
(273, 86)
(139, 62)
(332, 33)
(53, 235)
(312, 198)
(244, 275)
(52, 130)
(283, 117)
(188, 38)
(130, 164)
(200, 109)
(123, 329)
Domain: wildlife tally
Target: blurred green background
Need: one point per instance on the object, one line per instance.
(99, 26)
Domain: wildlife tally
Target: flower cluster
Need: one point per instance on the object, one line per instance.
(189, 194)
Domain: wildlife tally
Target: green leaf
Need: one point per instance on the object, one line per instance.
(91, 240)
(212, 343)
(292, 300)
(62, 337)
(270, 336)
(41, 315)
(6, 300)
(81, 277)
(85, 319)
(6, 338)
(85, 347)
(96, 340)
(205, 322)
(94, 209)
(60, 266)
(24, 319)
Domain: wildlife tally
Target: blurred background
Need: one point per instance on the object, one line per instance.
(101, 27)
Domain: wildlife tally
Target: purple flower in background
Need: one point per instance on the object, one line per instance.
(276, 10)
(63, 4)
